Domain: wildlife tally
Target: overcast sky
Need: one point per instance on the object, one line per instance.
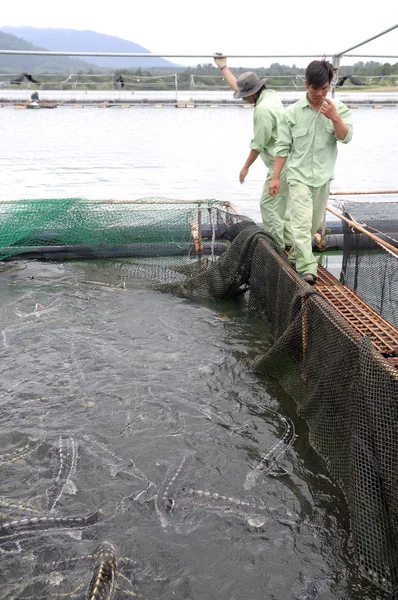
(239, 28)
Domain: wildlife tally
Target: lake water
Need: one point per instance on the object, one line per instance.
(171, 153)
(144, 406)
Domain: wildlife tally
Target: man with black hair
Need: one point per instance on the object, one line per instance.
(307, 138)
(267, 113)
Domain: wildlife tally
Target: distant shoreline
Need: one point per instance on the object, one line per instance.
(184, 99)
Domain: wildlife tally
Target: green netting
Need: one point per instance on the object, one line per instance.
(121, 228)
(23, 220)
(344, 388)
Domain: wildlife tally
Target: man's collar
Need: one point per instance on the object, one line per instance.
(260, 96)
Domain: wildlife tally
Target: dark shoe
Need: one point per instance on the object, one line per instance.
(309, 278)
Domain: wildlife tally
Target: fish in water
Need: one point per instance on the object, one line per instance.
(255, 514)
(21, 452)
(40, 525)
(107, 573)
(37, 312)
(67, 466)
(313, 587)
(165, 497)
(107, 286)
(15, 508)
(173, 495)
(103, 580)
(269, 462)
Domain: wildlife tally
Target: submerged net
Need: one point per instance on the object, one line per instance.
(344, 388)
(370, 269)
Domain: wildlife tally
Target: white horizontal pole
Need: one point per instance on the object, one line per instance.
(210, 56)
(372, 55)
(151, 55)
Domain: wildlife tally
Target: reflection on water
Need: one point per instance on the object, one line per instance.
(130, 420)
(169, 153)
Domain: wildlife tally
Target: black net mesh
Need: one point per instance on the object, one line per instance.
(344, 388)
(370, 269)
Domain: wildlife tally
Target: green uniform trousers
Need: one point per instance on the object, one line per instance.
(307, 206)
(275, 211)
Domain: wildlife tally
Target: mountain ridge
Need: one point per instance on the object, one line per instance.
(74, 40)
(19, 62)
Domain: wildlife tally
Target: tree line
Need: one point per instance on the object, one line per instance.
(205, 76)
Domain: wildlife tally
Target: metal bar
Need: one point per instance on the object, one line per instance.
(155, 201)
(372, 56)
(204, 55)
(364, 193)
(362, 230)
(151, 55)
(362, 318)
(366, 41)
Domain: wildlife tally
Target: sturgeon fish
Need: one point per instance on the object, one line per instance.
(173, 495)
(67, 467)
(40, 525)
(21, 452)
(165, 498)
(12, 507)
(269, 463)
(103, 580)
(253, 513)
(107, 286)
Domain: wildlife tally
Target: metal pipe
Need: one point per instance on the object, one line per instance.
(366, 41)
(363, 193)
(372, 55)
(150, 55)
(362, 230)
(150, 202)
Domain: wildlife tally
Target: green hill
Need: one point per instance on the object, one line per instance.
(50, 64)
(73, 40)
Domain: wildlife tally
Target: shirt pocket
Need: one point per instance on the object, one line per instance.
(300, 139)
(331, 135)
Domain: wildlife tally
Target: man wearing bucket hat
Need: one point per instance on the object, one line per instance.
(267, 114)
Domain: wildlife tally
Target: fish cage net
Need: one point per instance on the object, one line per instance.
(345, 389)
(72, 228)
(369, 268)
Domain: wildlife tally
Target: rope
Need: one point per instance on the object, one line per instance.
(213, 234)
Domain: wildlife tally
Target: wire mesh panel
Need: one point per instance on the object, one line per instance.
(76, 228)
(369, 268)
(345, 389)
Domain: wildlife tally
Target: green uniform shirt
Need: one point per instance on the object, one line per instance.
(267, 114)
(308, 140)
